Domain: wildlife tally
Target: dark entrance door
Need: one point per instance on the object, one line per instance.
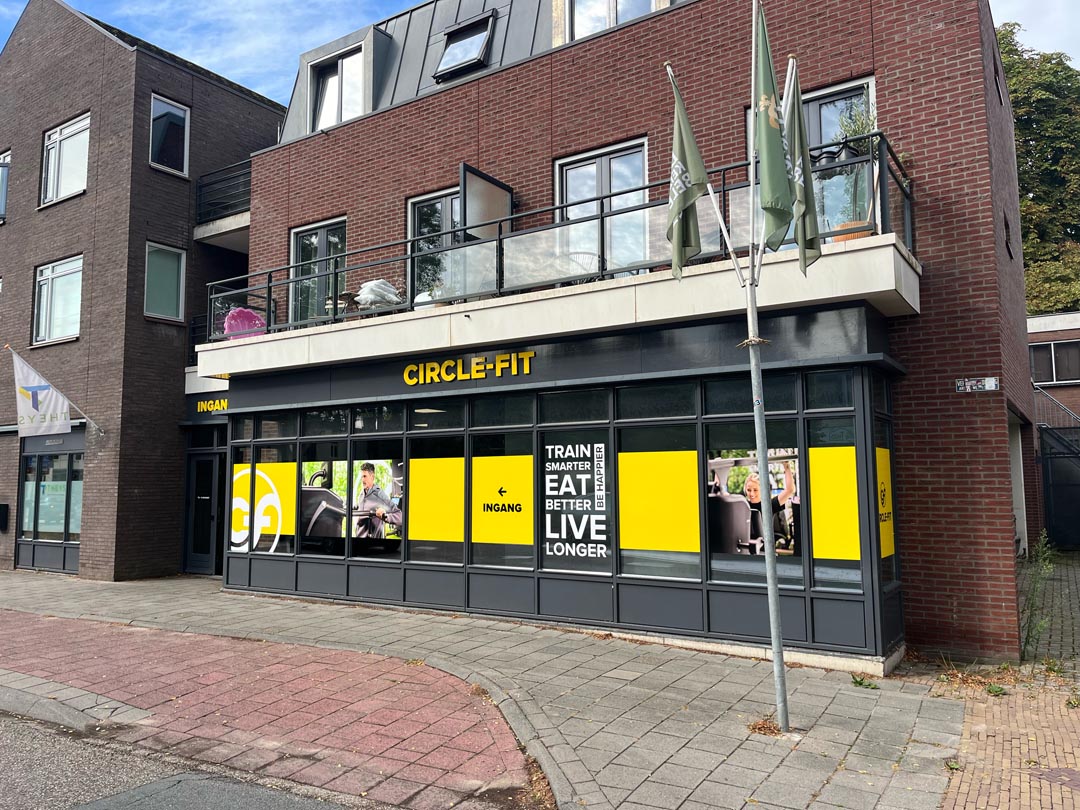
(206, 498)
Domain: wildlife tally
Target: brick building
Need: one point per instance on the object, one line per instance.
(102, 136)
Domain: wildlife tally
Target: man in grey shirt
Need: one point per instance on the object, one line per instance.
(374, 508)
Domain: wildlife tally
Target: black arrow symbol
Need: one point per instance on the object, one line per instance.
(502, 491)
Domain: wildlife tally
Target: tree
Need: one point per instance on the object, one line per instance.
(1045, 93)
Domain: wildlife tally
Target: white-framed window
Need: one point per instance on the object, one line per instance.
(58, 300)
(164, 296)
(337, 89)
(169, 135)
(5, 171)
(63, 165)
(1055, 362)
(605, 173)
(585, 17)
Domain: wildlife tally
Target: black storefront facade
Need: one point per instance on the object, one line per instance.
(605, 480)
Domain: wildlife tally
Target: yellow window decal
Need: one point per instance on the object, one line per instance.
(834, 504)
(502, 500)
(885, 502)
(274, 513)
(660, 501)
(435, 498)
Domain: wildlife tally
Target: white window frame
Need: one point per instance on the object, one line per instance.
(55, 141)
(313, 86)
(187, 135)
(45, 273)
(183, 282)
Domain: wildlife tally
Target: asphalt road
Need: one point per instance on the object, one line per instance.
(46, 768)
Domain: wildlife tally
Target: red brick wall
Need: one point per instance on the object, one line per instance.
(931, 62)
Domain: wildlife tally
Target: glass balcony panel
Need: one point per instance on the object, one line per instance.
(465, 271)
(540, 258)
(238, 313)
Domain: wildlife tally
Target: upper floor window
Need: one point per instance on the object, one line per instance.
(1055, 362)
(63, 167)
(169, 135)
(319, 288)
(5, 170)
(466, 47)
(436, 273)
(589, 16)
(164, 296)
(338, 89)
(58, 300)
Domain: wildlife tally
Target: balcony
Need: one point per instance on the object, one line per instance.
(223, 207)
(568, 269)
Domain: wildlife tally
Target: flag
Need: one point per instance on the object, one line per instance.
(805, 208)
(688, 182)
(776, 195)
(40, 407)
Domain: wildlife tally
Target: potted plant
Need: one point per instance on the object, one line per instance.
(855, 210)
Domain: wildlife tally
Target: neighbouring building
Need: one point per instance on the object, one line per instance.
(102, 137)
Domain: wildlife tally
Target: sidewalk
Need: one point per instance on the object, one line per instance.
(612, 723)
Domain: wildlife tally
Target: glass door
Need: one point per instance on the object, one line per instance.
(317, 258)
(203, 546)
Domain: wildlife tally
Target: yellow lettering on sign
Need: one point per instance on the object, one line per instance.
(502, 500)
(671, 523)
(886, 530)
(211, 405)
(834, 488)
(506, 364)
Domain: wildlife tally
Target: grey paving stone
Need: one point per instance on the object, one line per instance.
(657, 794)
(736, 775)
(911, 799)
(784, 794)
(621, 776)
(718, 795)
(848, 797)
(680, 775)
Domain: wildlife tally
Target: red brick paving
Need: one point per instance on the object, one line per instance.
(352, 722)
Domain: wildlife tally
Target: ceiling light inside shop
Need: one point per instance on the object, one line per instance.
(428, 410)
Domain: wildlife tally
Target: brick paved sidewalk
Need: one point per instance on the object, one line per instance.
(362, 724)
(612, 722)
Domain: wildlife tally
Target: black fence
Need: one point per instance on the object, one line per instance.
(223, 193)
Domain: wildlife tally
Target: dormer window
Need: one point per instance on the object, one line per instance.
(338, 89)
(466, 47)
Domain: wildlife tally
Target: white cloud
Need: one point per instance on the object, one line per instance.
(1049, 25)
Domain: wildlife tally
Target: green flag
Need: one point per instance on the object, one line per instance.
(805, 208)
(776, 195)
(688, 181)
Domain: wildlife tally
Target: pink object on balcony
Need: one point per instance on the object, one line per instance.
(242, 322)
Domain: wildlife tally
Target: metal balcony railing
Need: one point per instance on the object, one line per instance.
(861, 188)
(223, 192)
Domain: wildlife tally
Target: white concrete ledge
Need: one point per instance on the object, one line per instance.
(875, 269)
(1059, 322)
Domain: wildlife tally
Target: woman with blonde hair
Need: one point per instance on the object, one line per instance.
(752, 493)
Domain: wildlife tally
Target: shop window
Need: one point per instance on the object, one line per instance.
(503, 410)
(589, 405)
(58, 300)
(439, 414)
(52, 497)
(616, 174)
(736, 486)
(276, 425)
(881, 393)
(243, 483)
(503, 510)
(378, 486)
(325, 422)
(656, 401)
(379, 419)
(243, 427)
(435, 500)
(317, 255)
(164, 294)
(829, 389)
(273, 518)
(591, 16)
(324, 497)
(466, 47)
(1055, 362)
(660, 502)
(834, 505)
(884, 497)
(67, 150)
(576, 488)
(168, 135)
(732, 395)
(338, 90)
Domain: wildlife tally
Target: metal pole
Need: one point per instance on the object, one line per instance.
(753, 342)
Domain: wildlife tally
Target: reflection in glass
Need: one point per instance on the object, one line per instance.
(590, 16)
(29, 501)
(656, 401)
(515, 409)
(75, 505)
(326, 422)
(589, 405)
(736, 486)
(52, 497)
(379, 418)
(829, 389)
(437, 414)
(732, 395)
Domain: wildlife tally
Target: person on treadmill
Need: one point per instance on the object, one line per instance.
(752, 493)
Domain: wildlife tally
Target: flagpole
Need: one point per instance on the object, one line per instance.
(90, 421)
(753, 343)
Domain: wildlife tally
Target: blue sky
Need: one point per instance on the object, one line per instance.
(257, 42)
